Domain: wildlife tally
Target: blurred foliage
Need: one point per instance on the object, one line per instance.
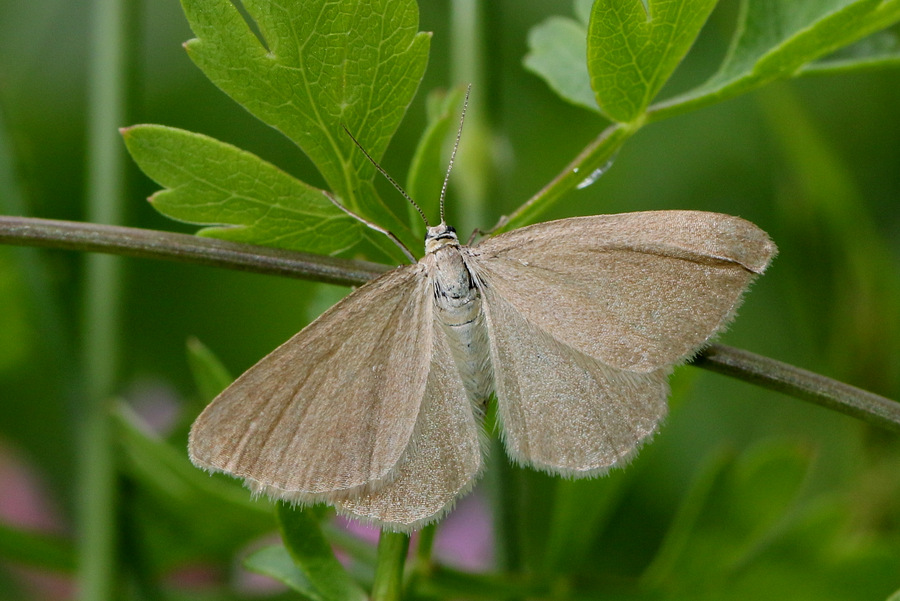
(742, 495)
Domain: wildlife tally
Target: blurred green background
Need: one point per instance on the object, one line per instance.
(815, 162)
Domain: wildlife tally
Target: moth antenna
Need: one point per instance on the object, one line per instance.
(368, 223)
(388, 177)
(462, 119)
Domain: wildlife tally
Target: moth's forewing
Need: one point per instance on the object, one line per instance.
(444, 459)
(333, 409)
(588, 315)
(636, 291)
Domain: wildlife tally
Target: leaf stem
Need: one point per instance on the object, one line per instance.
(593, 157)
(425, 547)
(736, 363)
(392, 549)
(423, 565)
(802, 384)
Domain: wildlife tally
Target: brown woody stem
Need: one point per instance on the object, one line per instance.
(133, 242)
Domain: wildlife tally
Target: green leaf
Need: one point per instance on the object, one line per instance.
(895, 596)
(677, 539)
(734, 510)
(825, 551)
(777, 38)
(313, 556)
(181, 492)
(36, 549)
(878, 51)
(765, 483)
(275, 562)
(632, 50)
(556, 52)
(319, 66)
(210, 375)
(427, 169)
(249, 200)
(581, 509)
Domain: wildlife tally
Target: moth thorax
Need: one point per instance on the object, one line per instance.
(438, 237)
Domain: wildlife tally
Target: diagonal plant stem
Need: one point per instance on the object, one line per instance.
(595, 156)
(87, 237)
(802, 384)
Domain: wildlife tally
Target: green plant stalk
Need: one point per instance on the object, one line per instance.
(594, 156)
(472, 173)
(100, 317)
(422, 565)
(392, 549)
(504, 489)
(425, 547)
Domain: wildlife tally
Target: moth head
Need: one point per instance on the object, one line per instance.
(439, 236)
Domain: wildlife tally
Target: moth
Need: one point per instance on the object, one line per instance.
(573, 325)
